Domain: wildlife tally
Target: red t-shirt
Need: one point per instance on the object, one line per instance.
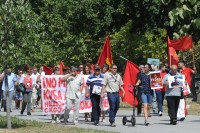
(162, 76)
(187, 72)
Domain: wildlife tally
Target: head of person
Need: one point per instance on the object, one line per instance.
(141, 67)
(86, 69)
(173, 70)
(80, 68)
(97, 69)
(65, 70)
(20, 72)
(162, 68)
(35, 70)
(181, 64)
(28, 69)
(56, 70)
(147, 68)
(113, 69)
(74, 70)
(8, 69)
(104, 68)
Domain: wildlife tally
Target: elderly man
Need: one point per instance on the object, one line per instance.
(173, 95)
(73, 94)
(112, 84)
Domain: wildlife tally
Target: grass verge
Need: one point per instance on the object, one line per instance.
(27, 126)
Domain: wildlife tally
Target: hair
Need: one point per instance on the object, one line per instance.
(149, 65)
(27, 67)
(161, 66)
(182, 61)
(74, 68)
(104, 65)
(56, 69)
(113, 65)
(86, 65)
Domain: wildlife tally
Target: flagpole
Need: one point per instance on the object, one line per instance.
(123, 57)
(193, 56)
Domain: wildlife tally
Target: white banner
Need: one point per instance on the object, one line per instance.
(53, 94)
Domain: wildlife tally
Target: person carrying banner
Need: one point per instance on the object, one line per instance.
(112, 84)
(86, 74)
(73, 94)
(173, 95)
(10, 78)
(28, 82)
(94, 82)
(146, 92)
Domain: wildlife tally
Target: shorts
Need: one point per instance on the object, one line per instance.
(146, 98)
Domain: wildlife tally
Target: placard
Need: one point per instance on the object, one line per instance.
(156, 80)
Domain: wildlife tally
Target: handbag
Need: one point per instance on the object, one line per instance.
(20, 88)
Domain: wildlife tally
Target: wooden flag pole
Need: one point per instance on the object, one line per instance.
(193, 56)
(123, 57)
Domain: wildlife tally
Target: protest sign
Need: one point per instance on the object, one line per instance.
(85, 105)
(53, 94)
(186, 89)
(154, 63)
(176, 81)
(156, 80)
(104, 104)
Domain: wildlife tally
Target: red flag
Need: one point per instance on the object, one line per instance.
(106, 55)
(184, 43)
(61, 67)
(47, 70)
(172, 57)
(130, 78)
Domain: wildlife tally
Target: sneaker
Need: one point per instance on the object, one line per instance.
(86, 120)
(75, 122)
(160, 113)
(57, 120)
(182, 119)
(113, 124)
(96, 123)
(53, 121)
(174, 122)
(103, 120)
(21, 112)
(146, 123)
(28, 113)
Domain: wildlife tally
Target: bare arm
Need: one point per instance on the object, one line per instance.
(86, 91)
(102, 91)
(138, 82)
(65, 77)
(2, 76)
(123, 92)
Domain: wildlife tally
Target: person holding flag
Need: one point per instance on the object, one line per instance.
(112, 84)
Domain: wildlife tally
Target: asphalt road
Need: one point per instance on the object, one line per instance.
(157, 124)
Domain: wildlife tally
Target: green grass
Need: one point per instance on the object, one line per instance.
(27, 126)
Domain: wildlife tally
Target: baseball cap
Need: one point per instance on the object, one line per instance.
(96, 67)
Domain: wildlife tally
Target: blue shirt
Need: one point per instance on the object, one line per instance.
(11, 82)
(145, 82)
(94, 80)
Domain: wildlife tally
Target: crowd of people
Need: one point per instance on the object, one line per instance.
(25, 89)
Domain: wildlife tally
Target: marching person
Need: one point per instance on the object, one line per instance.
(95, 83)
(73, 94)
(10, 78)
(146, 92)
(112, 84)
(173, 95)
(160, 93)
(28, 83)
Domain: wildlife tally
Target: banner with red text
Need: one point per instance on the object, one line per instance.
(156, 80)
(104, 104)
(53, 94)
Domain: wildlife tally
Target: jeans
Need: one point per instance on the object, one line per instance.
(10, 95)
(114, 101)
(26, 101)
(95, 107)
(173, 103)
(160, 99)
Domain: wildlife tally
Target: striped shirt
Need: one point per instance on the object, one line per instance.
(94, 80)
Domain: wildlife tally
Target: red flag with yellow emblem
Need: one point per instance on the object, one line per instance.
(106, 54)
